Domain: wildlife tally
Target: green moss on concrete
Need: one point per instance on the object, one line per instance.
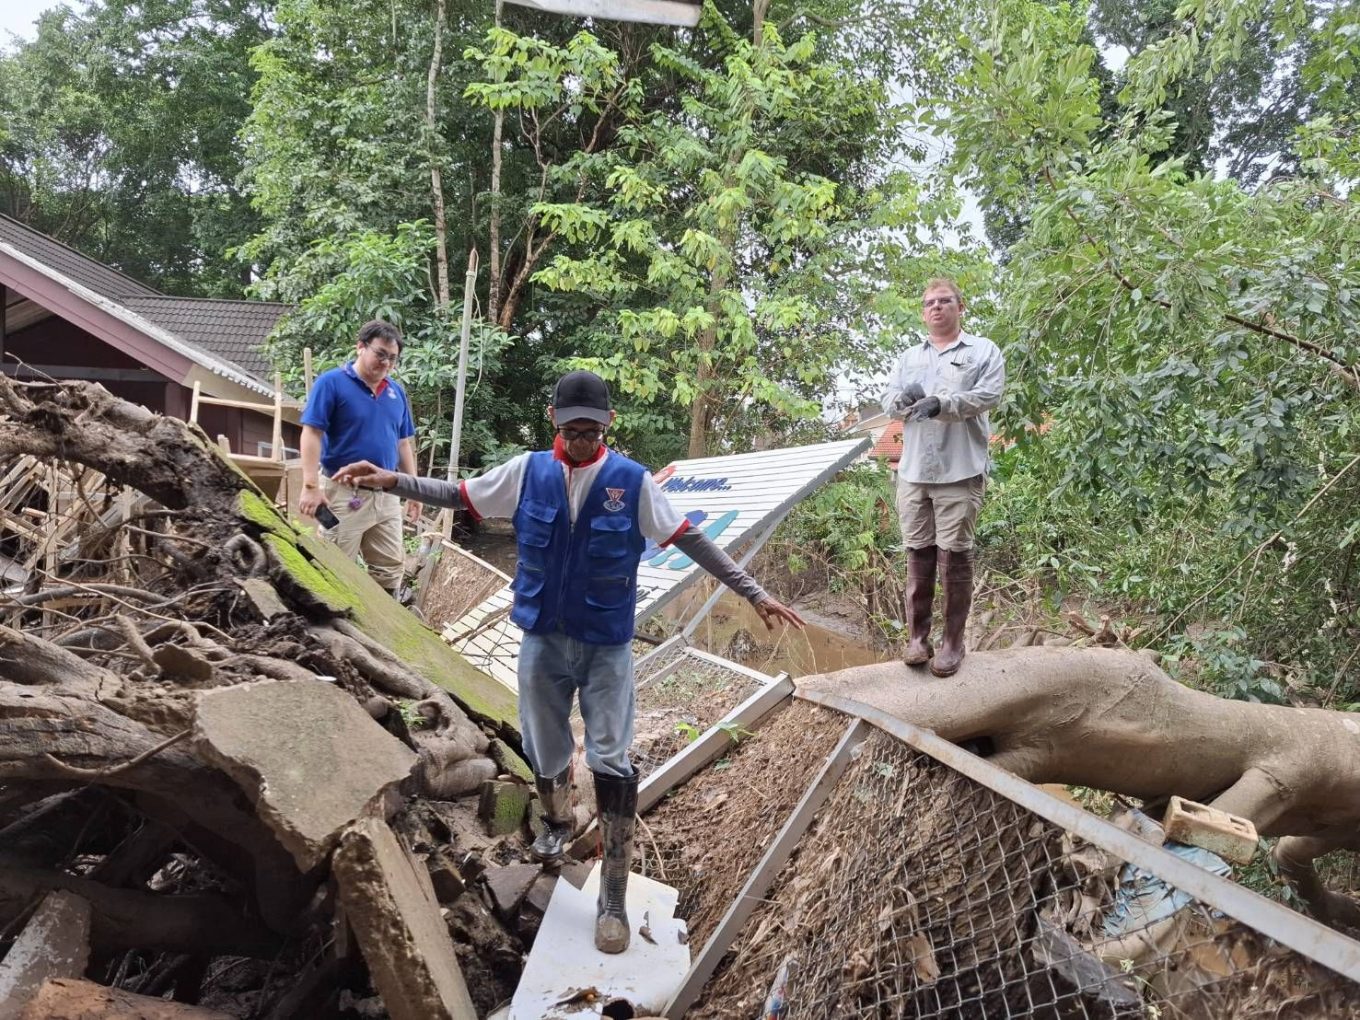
(505, 757)
(253, 507)
(503, 807)
(379, 616)
(321, 584)
(343, 587)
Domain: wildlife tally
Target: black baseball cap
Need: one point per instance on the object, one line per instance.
(581, 395)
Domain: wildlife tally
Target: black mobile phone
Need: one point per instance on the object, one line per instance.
(325, 516)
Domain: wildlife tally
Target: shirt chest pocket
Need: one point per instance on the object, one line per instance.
(609, 536)
(959, 373)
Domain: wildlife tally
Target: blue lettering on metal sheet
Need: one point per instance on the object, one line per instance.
(680, 483)
(672, 558)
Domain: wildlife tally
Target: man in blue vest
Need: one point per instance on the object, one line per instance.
(582, 515)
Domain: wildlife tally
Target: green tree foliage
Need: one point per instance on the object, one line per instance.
(1189, 343)
(119, 135)
(723, 239)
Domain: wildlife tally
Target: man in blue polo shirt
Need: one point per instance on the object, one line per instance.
(356, 412)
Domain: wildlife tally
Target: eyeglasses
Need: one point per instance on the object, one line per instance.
(594, 435)
(384, 357)
(932, 302)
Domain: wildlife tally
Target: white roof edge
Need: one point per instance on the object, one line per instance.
(143, 325)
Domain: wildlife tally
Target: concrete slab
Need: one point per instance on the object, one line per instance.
(55, 943)
(392, 909)
(70, 999)
(567, 978)
(264, 597)
(503, 806)
(509, 885)
(540, 893)
(307, 754)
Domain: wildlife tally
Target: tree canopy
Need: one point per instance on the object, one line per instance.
(732, 221)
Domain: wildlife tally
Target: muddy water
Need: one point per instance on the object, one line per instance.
(734, 631)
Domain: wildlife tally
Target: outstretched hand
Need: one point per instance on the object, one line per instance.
(370, 476)
(771, 609)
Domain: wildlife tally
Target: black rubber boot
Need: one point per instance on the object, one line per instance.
(956, 570)
(554, 793)
(920, 598)
(617, 800)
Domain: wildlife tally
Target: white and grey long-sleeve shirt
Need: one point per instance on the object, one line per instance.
(968, 376)
(496, 494)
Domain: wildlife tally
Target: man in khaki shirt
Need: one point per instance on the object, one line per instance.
(942, 389)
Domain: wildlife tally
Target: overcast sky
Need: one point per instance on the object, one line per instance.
(17, 17)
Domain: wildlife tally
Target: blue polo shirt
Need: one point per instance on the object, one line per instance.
(356, 423)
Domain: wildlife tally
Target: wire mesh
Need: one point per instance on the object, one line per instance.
(650, 660)
(674, 709)
(707, 835)
(920, 893)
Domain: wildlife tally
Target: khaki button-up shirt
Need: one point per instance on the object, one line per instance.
(968, 376)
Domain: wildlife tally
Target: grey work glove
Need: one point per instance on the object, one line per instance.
(903, 401)
(926, 408)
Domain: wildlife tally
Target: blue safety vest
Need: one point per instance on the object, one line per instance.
(580, 579)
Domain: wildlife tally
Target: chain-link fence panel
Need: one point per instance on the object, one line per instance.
(705, 837)
(919, 892)
(676, 705)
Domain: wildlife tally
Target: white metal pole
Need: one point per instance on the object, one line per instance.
(468, 289)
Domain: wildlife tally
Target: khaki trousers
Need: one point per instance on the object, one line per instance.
(372, 531)
(943, 515)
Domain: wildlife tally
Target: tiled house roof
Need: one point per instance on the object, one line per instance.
(889, 445)
(233, 330)
(84, 270)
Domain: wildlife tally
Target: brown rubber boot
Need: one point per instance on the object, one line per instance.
(920, 597)
(956, 575)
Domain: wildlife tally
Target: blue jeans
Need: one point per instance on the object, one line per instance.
(552, 667)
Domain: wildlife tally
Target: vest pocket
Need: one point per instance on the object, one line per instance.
(527, 582)
(609, 536)
(609, 592)
(528, 587)
(534, 532)
(534, 522)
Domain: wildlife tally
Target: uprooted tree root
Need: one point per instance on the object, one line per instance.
(176, 578)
